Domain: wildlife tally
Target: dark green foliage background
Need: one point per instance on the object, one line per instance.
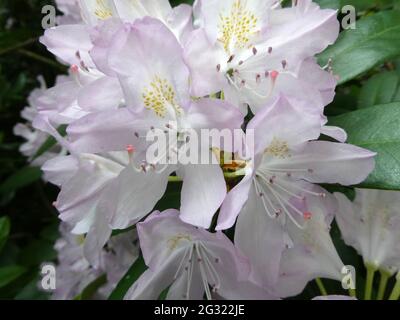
(33, 220)
(25, 200)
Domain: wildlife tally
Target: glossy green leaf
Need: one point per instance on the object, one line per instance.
(380, 89)
(377, 129)
(375, 40)
(4, 231)
(9, 274)
(129, 279)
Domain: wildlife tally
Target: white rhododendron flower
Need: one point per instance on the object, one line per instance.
(254, 50)
(74, 272)
(35, 138)
(251, 218)
(193, 261)
(371, 225)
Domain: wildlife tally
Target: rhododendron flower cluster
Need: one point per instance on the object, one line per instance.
(246, 227)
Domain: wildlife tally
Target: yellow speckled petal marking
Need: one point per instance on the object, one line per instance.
(174, 241)
(278, 149)
(103, 10)
(238, 26)
(159, 96)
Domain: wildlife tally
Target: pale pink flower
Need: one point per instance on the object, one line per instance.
(255, 50)
(203, 185)
(288, 162)
(191, 262)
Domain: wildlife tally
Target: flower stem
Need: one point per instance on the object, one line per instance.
(321, 287)
(227, 175)
(371, 269)
(383, 284)
(235, 174)
(396, 290)
(174, 179)
(353, 293)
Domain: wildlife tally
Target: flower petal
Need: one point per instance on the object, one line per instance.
(133, 195)
(110, 131)
(148, 41)
(68, 40)
(234, 202)
(329, 162)
(214, 114)
(261, 239)
(282, 121)
(203, 192)
(204, 60)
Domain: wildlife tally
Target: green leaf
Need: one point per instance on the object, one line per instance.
(164, 294)
(377, 129)
(92, 288)
(380, 89)
(129, 279)
(4, 231)
(329, 4)
(375, 40)
(9, 274)
(361, 5)
(20, 179)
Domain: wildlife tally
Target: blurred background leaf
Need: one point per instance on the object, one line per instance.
(24, 198)
(9, 274)
(4, 231)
